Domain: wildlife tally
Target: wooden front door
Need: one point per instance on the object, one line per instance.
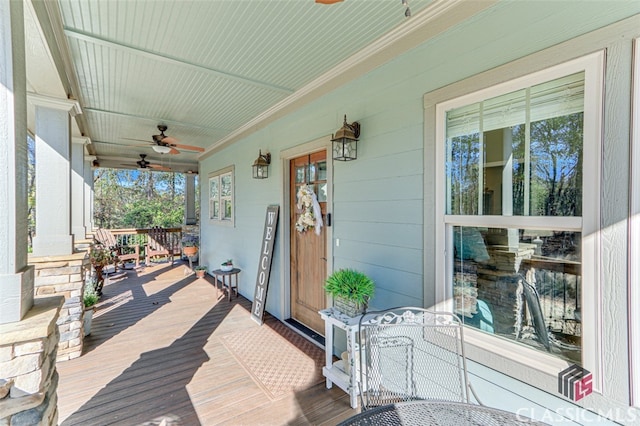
(308, 250)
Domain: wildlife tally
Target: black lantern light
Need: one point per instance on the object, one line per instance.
(261, 166)
(345, 141)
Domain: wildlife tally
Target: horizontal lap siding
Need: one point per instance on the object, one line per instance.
(377, 205)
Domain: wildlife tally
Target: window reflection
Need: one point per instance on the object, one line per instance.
(519, 153)
(521, 285)
(321, 192)
(322, 170)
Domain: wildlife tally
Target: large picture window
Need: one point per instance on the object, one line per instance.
(519, 199)
(221, 196)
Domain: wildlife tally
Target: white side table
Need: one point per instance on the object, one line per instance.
(346, 382)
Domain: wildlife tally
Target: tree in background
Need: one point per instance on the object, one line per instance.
(138, 199)
(31, 191)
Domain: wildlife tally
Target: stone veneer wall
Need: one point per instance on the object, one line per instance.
(498, 281)
(28, 388)
(64, 276)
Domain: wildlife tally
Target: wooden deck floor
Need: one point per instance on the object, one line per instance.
(157, 355)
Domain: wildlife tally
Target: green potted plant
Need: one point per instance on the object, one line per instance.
(227, 265)
(89, 299)
(201, 270)
(351, 291)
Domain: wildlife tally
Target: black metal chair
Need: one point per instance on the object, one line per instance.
(412, 354)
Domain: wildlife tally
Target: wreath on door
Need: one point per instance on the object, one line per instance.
(311, 215)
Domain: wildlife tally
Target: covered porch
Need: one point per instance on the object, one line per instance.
(167, 348)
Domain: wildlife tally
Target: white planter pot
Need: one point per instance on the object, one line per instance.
(88, 317)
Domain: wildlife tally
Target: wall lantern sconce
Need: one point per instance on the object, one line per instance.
(345, 141)
(261, 166)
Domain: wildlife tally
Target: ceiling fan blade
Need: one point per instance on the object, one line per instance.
(174, 151)
(119, 144)
(188, 147)
(169, 139)
(132, 139)
(158, 167)
(328, 1)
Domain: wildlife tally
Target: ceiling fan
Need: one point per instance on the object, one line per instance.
(164, 144)
(144, 164)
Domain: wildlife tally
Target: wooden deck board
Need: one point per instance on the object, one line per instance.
(156, 354)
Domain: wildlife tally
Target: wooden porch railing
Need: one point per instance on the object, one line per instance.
(132, 236)
(559, 284)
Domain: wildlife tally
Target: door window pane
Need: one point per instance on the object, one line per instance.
(321, 192)
(322, 170)
(300, 174)
(312, 173)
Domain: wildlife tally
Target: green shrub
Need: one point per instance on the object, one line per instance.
(350, 284)
(90, 296)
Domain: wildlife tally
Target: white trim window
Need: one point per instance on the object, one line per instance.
(518, 186)
(634, 231)
(221, 206)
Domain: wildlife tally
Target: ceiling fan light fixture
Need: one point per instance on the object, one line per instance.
(161, 149)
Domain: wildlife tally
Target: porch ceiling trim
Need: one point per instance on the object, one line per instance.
(440, 14)
(168, 59)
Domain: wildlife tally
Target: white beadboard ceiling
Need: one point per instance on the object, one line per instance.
(209, 70)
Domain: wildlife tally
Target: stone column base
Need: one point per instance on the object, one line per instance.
(28, 348)
(64, 276)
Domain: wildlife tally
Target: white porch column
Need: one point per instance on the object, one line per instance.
(77, 188)
(16, 277)
(88, 193)
(53, 175)
(190, 199)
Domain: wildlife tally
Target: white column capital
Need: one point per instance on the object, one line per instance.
(83, 140)
(71, 106)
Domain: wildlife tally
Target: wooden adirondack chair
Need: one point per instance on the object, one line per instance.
(108, 240)
(159, 243)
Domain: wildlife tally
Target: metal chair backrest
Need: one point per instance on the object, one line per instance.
(410, 354)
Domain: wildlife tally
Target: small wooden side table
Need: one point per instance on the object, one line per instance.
(226, 278)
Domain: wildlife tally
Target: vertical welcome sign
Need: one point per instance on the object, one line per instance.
(264, 267)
